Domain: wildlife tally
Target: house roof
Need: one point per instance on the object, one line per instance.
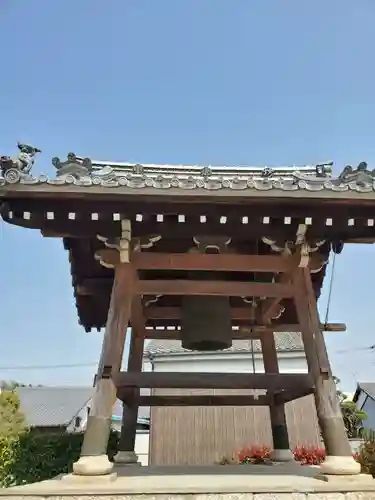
(367, 387)
(52, 406)
(57, 406)
(285, 341)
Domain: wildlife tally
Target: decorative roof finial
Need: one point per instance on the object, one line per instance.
(14, 168)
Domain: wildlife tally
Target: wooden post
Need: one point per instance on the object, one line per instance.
(339, 459)
(126, 449)
(93, 460)
(281, 447)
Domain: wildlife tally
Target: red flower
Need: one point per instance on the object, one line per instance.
(309, 455)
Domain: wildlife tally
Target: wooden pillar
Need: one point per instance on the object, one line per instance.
(339, 459)
(94, 460)
(281, 447)
(126, 449)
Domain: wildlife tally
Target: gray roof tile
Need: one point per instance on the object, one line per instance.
(57, 406)
(285, 341)
(52, 406)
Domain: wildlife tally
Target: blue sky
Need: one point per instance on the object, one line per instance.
(189, 81)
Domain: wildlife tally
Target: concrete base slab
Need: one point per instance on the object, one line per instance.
(247, 482)
(347, 479)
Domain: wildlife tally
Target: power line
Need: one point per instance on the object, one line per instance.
(46, 367)
(356, 349)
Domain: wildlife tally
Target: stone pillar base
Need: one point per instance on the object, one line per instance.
(282, 456)
(92, 466)
(126, 458)
(340, 466)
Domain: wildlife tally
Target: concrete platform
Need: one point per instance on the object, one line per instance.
(239, 482)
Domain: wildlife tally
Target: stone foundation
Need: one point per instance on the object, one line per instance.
(227, 496)
(255, 482)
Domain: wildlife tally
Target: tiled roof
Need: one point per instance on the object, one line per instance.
(368, 387)
(57, 406)
(285, 341)
(84, 172)
(52, 406)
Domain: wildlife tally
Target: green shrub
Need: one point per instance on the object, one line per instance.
(35, 456)
(366, 455)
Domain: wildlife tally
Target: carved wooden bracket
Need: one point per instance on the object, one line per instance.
(118, 250)
(122, 244)
(218, 243)
(300, 245)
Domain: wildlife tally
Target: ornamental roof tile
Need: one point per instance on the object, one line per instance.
(83, 172)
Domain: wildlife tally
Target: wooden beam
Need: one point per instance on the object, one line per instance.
(93, 286)
(211, 262)
(178, 380)
(175, 313)
(202, 400)
(237, 313)
(242, 333)
(292, 394)
(217, 288)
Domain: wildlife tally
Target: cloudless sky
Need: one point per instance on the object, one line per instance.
(227, 82)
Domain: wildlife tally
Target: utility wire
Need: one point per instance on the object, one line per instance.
(46, 367)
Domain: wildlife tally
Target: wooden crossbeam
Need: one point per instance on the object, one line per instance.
(292, 394)
(201, 400)
(237, 334)
(211, 262)
(242, 333)
(178, 380)
(175, 313)
(91, 286)
(217, 288)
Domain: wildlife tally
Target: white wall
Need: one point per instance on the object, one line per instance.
(289, 362)
(142, 441)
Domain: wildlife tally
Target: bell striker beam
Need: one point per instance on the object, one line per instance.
(339, 459)
(93, 460)
(281, 446)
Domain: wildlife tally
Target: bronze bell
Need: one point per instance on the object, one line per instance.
(206, 323)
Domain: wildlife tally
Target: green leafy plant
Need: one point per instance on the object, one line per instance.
(366, 454)
(35, 456)
(12, 421)
(353, 417)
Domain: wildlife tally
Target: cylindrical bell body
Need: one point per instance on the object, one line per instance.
(206, 323)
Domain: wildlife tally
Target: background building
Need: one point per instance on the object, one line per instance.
(202, 435)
